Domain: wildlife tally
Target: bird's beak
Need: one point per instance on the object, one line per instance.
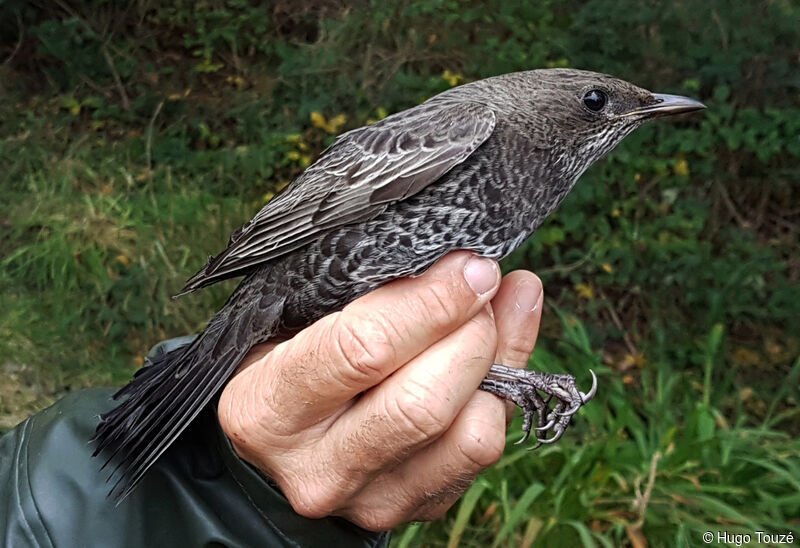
(666, 105)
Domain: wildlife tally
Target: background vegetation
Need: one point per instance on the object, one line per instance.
(136, 135)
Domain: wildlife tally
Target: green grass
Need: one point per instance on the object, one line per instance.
(92, 264)
(654, 457)
(671, 270)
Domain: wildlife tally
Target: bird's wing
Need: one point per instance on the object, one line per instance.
(354, 180)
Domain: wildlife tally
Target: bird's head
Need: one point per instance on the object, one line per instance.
(575, 116)
(593, 112)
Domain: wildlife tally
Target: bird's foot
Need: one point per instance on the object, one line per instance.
(522, 387)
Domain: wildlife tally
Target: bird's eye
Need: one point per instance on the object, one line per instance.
(595, 100)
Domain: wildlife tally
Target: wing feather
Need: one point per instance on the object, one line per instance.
(354, 180)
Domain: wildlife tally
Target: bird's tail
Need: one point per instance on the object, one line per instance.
(164, 397)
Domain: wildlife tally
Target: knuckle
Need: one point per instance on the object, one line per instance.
(307, 507)
(375, 520)
(365, 347)
(517, 350)
(479, 339)
(483, 331)
(438, 304)
(247, 417)
(421, 412)
(481, 445)
(313, 499)
(236, 423)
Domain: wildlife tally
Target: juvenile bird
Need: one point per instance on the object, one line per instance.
(477, 167)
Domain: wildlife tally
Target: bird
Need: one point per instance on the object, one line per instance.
(477, 167)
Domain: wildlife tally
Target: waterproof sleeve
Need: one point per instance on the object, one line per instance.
(53, 493)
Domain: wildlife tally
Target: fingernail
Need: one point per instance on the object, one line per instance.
(481, 274)
(528, 296)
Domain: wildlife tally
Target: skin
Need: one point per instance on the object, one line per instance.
(372, 413)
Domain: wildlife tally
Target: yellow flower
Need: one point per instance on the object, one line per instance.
(334, 125)
(608, 268)
(453, 78)
(236, 81)
(207, 66)
(318, 120)
(636, 360)
(681, 168)
(179, 96)
(585, 291)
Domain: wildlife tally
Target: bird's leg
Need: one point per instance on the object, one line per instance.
(522, 387)
(529, 402)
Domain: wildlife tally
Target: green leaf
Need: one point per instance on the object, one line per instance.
(519, 512)
(587, 541)
(465, 509)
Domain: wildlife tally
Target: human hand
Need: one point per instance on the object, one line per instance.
(372, 413)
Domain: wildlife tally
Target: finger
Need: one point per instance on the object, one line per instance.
(413, 407)
(442, 471)
(346, 353)
(476, 441)
(426, 485)
(518, 313)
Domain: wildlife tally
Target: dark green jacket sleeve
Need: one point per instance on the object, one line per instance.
(52, 492)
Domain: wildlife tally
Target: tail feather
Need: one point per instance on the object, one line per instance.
(157, 441)
(167, 395)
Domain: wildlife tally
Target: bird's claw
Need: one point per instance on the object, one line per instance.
(523, 388)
